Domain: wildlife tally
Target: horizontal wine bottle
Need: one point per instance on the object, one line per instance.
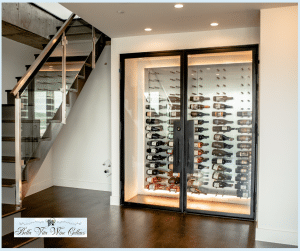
(174, 180)
(154, 121)
(242, 162)
(198, 98)
(242, 169)
(170, 158)
(220, 161)
(244, 122)
(156, 150)
(174, 99)
(245, 130)
(156, 186)
(199, 175)
(156, 172)
(218, 167)
(221, 153)
(155, 143)
(243, 154)
(200, 167)
(221, 106)
(244, 145)
(155, 164)
(221, 145)
(220, 176)
(200, 137)
(153, 100)
(195, 189)
(173, 188)
(200, 129)
(155, 179)
(221, 98)
(151, 108)
(221, 122)
(198, 183)
(198, 107)
(242, 194)
(241, 186)
(170, 143)
(154, 128)
(199, 114)
(220, 114)
(244, 114)
(173, 107)
(170, 151)
(221, 184)
(154, 136)
(221, 137)
(170, 166)
(200, 159)
(242, 177)
(200, 144)
(155, 157)
(199, 152)
(244, 138)
(200, 122)
(222, 128)
(174, 114)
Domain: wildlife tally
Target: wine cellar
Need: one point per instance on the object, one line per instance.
(191, 143)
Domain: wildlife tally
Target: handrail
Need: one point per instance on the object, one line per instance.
(37, 64)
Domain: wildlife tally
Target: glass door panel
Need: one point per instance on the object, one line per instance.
(220, 102)
(151, 110)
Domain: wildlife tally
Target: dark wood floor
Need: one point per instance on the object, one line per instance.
(118, 227)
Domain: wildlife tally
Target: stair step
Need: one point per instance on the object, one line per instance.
(36, 56)
(18, 78)
(51, 36)
(12, 159)
(23, 139)
(8, 209)
(8, 241)
(27, 66)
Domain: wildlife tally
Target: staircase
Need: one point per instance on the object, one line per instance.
(36, 111)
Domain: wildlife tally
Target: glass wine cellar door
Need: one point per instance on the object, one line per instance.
(188, 135)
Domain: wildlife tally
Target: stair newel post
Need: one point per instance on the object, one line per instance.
(64, 43)
(94, 48)
(18, 155)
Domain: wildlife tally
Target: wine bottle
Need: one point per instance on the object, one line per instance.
(241, 186)
(200, 167)
(242, 177)
(198, 98)
(155, 150)
(218, 167)
(155, 164)
(221, 184)
(220, 161)
(198, 107)
(199, 175)
(244, 122)
(154, 128)
(170, 151)
(155, 179)
(154, 121)
(170, 143)
(200, 129)
(198, 183)
(244, 145)
(242, 162)
(200, 159)
(244, 138)
(155, 143)
(174, 180)
(221, 106)
(170, 166)
(174, 114)
(242, 194)
(220, 114)
(151, 108)
(173, 107)
(221, 98)
(171, 121)
(244, 114)
(155, 157)
(195, 189)
(221, 145)
(170, 136)
(199, 152)
(156, 172)
(200, 137)
(154, 136)
(199, 114)
(222, 128)
(242, 169)
(154, 114)
(200, 144)
(221, 153)
(173, 188)
(174, 99)
(221, 122)
(221, 137)
(152, 100)
(155, 186)
(170, 158)
(200, 122)
(245, 130)
(220, 176)
(243, 154)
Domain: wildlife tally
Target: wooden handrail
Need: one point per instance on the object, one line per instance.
(37, 64)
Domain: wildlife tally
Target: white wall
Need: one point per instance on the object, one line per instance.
(83, 144)
(14, 58)
(176, 41)
(278, 149)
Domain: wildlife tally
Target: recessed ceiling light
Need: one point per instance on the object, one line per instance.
(178, 6)
(214, 24)
(148, 29)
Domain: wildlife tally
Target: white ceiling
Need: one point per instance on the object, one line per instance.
(164, 18)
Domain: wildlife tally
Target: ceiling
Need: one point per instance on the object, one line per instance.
(164, 18)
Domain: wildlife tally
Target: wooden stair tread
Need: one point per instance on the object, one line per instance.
(8, 241)
(23, 139)
(11, 159)
(10, 182)
(8, 209)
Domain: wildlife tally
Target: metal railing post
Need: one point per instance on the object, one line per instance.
(64, 43)
(18, 155)
(94, 48)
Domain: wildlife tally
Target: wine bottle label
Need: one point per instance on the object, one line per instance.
(243, 162)
(149, 171)
(196, 145)
(152, 165)
(218, 137)
(153, 150)
(149, 135)
(196, 137)
(243, 187)
(244, 154)
(243, 170)
(224, 128)
(170, 151)
(195, 98)
(219, 161)
(175, 174)
(243, 178)
(173, 114)
(196, 160)
(215, 167)
(194, 106)
(170, 166)
(217, 185)
(148, 128)
(197, 183)
(218, 114)
(149, 179)
(215, 176)
(171, 143)
(171, 158)
(152, 187)
(196, 166)
(153, 143)
(149, 157)
(195, 152)
(217, 106)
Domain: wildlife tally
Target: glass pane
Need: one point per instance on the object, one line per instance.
(152, 103)
(220, 103)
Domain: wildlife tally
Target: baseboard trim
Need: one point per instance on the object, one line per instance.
(277, 236)
(34, 188)
(114, 200)
(83, 184)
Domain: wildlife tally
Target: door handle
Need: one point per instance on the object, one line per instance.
(178, 140)
(190, 146)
